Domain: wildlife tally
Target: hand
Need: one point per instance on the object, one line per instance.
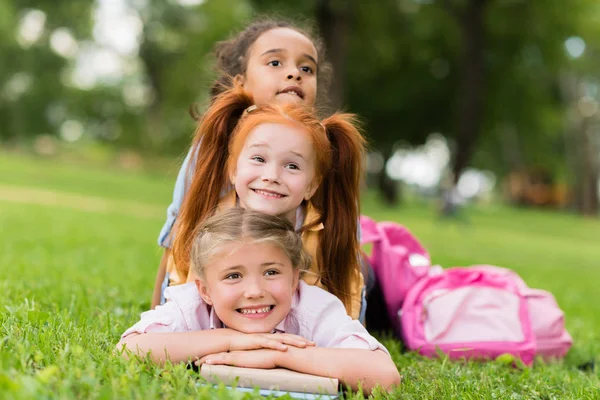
(262, 358)
(274, 341)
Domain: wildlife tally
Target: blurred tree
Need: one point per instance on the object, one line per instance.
(175, 44)
(484, 73)
(580, 84)
(30, 71)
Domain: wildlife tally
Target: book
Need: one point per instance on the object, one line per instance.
(276, 381)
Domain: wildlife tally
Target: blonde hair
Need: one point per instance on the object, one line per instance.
(237, 225)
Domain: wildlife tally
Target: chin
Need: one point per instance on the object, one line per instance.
(255, 329)
(287, 99)
(265, 209)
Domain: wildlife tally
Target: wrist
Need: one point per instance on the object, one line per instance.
(283, 359)
(229, 336)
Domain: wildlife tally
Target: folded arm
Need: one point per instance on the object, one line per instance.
(352, 367)
(193, 345)
(177, 346)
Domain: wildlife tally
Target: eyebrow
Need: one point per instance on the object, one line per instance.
(274, 51)
(261, 144)
(232, 267)
(268, 264)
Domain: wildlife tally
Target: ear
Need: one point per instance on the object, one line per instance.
(203, 290)
(239, 79)
(296, 280)
(311, 189)
(232, 176)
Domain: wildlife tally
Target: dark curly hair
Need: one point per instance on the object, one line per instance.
(232, 54)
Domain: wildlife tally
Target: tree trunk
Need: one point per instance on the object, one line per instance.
(471, 88)
(388, 188)
(334, 21)
(582, 152)
(587, 198)
(155, 131)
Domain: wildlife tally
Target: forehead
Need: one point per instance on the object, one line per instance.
(281, 137)
(285, 39)
(247, 253)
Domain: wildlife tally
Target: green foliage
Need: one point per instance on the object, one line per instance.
(401, 72)
(73, 281)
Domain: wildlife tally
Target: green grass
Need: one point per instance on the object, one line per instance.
(73, 281)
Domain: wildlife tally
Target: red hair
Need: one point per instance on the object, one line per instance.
(339, 148)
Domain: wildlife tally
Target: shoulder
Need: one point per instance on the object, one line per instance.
(183, 295)
(311, 304)
(315, 299)
(322, 317)
(184, 311)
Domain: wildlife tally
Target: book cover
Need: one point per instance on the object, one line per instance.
(277, 379)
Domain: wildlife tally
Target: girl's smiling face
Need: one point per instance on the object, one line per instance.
(250, 285)
(275, 170)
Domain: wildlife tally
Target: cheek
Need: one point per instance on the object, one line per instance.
(262, 90)
(224, 297)
(302, 183)
(283, 289)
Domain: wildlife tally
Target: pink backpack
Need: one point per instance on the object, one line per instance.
(482, 312)
(398, 260)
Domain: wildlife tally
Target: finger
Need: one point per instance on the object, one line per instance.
(273, 344)
(297, 342)
(292, 336)
(202, 360)
(301, 339)
(288, 338)
(215, 359)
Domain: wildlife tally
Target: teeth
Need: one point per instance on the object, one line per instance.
(256, 310)
(269, 194)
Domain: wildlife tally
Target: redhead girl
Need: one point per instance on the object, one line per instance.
(281, 160)
(248, 307)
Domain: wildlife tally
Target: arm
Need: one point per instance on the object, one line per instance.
(160, 277)
(350, 366)
(165, 237)
(177, 346)
(183, 346)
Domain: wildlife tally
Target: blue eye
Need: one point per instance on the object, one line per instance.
(257, 159)
(293, 166)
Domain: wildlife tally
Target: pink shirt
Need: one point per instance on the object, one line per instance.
(316, 315)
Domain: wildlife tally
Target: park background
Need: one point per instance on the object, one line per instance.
(489, 105)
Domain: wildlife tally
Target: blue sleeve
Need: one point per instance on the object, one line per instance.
(164, 239)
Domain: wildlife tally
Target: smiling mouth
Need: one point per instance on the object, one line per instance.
(253, 311)
(293, 90)
(268, 193)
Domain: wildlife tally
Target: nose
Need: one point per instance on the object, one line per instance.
(270, 173)
(294, 74)
(253, 289)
